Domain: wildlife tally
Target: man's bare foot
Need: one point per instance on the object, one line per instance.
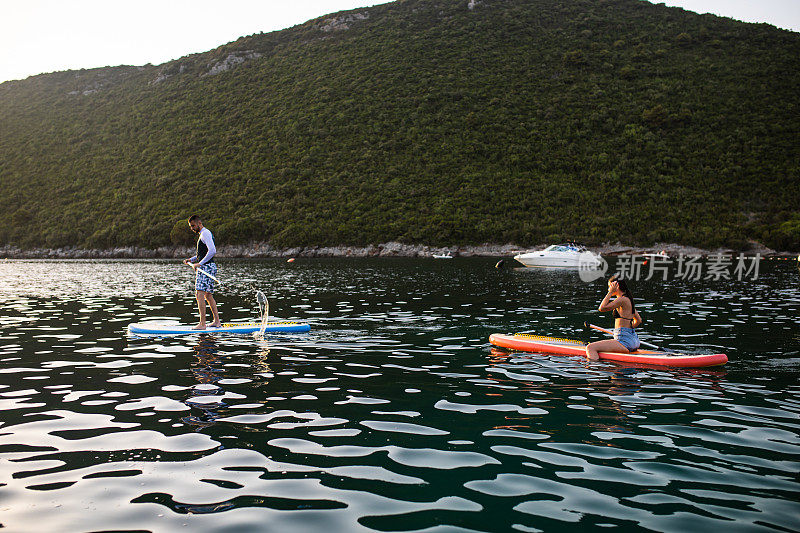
(200, 326)
(216, 324)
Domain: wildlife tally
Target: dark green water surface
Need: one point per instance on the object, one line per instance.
(393, 413)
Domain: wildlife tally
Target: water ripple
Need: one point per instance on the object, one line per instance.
(393, 413)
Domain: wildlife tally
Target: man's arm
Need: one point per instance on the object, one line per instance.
(208, 239)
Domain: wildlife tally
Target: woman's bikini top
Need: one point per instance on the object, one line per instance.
(616, 314)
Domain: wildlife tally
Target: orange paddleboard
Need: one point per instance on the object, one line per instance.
(552, 345)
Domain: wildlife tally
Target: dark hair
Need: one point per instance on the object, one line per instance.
(623, 286)
(195, 217)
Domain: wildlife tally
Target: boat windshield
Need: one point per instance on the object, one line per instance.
(562, 248)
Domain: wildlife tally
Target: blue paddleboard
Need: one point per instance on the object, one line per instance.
(160, 328)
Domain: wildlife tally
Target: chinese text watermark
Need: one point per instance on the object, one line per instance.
(684, 267)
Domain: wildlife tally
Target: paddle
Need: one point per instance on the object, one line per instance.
(204, 272)
(209, 275)
(586, 325)
(263, 308)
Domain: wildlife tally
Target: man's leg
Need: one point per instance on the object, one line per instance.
(213, 305)
(201, 305)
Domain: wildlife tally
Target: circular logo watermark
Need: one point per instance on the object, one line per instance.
(591, 267)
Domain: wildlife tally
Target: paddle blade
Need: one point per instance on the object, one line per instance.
(263, 308)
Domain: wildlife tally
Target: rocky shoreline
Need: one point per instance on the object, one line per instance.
(390, 249)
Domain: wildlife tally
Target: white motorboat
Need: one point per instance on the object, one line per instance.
(561, 256)
(445, 255)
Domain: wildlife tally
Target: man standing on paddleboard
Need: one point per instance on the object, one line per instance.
(204, 267)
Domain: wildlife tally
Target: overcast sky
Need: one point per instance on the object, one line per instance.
(39, 36)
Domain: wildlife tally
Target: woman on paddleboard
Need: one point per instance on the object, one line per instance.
(619, 300)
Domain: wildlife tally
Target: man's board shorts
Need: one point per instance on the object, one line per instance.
(627, 337)
(203, 282)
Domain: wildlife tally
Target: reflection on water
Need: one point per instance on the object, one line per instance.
(393, 414)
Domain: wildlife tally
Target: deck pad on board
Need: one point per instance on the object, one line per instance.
(160, 328)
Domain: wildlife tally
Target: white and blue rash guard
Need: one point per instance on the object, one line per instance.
(205, 248)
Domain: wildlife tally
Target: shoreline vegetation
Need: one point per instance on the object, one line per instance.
(438, 122)
(389, 249)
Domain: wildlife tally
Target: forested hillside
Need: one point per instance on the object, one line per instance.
(423, 121)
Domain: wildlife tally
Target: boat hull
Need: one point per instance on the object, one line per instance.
(570, 260)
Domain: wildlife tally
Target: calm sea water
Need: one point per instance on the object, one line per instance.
(394, 413)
